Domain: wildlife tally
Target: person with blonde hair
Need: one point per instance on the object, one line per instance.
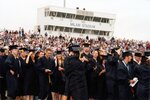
(30, 79)
(58, 86)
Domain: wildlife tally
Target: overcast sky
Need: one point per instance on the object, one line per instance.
(132, 16)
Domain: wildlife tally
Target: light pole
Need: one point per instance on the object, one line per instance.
(64, 3)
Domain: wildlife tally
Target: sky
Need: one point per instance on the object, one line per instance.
(132, 16)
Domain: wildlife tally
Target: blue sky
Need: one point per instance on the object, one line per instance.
(133, 16)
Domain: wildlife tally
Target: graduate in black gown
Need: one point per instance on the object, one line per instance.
(87, 56)
(39, 54)
(58, 85)
(66, 95)
(94, 68)
(46, 67)
(22, 62)
(143, 74)
(102, 89)
(135, 64)
(111, 73)
(30, 78)
(12, 75)
(124, 76)
(2, 74)
(76, 78)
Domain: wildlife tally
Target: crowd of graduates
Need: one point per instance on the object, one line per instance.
(34, 67)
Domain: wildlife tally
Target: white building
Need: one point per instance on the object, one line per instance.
(75, 22)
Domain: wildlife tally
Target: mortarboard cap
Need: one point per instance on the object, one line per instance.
(147, 53)
(13, 47)
(58, 52)
(86, 44)
(2, 50)
(74, 48)
(138, 54)
(71, 46)
(23, 49)
(127, 53)
(31, 50)
(113, 50)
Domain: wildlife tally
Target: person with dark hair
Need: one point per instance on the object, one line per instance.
(39, 54)
(46, 67)
(86, 55)
(111, 73)
(124, 77)
(12, 75)
(22, 62)
(136, 62)
(143, 75)
(93, 73)
(75, 73)
(2, 74)
(66, 95)
(102, 87)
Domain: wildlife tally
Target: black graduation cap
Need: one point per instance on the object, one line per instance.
(147, 53)
(31, 50)
(113, 50)
(131, 51)
(138, 54)
(58, 52)
(2, 50)
(74, 48)
(127, 53)
(11, 47)
(86, 44)
(23, 49)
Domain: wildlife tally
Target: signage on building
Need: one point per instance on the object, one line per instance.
(83, 25)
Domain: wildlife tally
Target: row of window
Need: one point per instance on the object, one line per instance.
(78, 17)
(75, 30)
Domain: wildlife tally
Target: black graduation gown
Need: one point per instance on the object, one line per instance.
(143, 86)
(89, 57)
(92, 76)
(58, 85)
(12, 63)
(87, 69)
(2, 77)
(123, 76)
(30, 79)
(44, 85)
(111, 78)
(22, 74)
(66, 66)
(134, 65)
(76, 79)
(102, 88)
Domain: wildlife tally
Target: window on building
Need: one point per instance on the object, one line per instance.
(80, 17)
(105, 20)
(96, 19)
(77, 30)
(70, 16)
(88, 18)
